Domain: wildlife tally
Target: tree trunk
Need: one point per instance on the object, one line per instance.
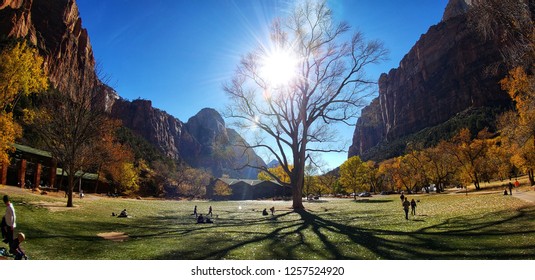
(70, 189)
(298, 180)
(98, 178)
(61, 181)
(531, 177)
(476, 182)
(297, 198)
(71, 173)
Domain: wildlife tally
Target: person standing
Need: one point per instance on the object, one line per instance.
(406, 205)
(209, 211)
(510, 188)
(413, 207)
(402, 197)
(195, 211)
(9, 221)
(517, 184)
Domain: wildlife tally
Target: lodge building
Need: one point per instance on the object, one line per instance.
(30, 167)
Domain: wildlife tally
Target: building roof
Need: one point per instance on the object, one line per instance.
(85, 175)
(30, 150)
(250, 182)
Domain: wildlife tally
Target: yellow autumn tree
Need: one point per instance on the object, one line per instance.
(128, 179)
(222, 189)
(521, 131)
(21, 73)
(275, 173)
(352, 175)
(9, 130)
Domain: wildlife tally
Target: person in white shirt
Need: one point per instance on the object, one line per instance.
(8, 221)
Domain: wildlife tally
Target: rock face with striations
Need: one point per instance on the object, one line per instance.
(445, 73)
(55, 27)
(221, 148)
(162, 130)
(203, 142)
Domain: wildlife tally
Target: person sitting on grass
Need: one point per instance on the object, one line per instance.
(200, 219)
(15, 247)
(123, 214)
(265, 213)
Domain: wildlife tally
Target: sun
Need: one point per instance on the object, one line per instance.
(279, 67)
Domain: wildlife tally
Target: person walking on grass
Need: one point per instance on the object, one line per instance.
(406, 205)
(402, 197)
(209, 211)
(413, 207)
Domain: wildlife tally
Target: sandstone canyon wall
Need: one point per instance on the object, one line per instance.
(449, 70)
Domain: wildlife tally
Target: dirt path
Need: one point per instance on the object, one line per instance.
(60, 194)
(527, 194)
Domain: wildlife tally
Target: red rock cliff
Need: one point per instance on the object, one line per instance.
(445, 72)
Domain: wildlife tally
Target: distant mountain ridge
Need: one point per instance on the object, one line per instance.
(55, 27)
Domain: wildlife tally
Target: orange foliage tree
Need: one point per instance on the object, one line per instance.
(519, 127)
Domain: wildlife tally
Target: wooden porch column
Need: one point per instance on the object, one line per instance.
(22, 173)
(37, 175)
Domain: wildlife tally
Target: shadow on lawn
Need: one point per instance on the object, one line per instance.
(440, 241)
(323, 235)
(365, 200)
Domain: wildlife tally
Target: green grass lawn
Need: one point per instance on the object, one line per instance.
(447, 226)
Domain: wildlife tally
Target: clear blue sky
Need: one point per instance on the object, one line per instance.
(178, 53)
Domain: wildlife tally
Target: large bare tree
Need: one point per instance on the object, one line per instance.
(291, 90)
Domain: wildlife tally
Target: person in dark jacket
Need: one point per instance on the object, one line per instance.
(413, 207)
(15, 249)
(406, 205)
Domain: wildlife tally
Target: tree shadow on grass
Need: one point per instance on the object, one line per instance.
(308, 235)
(440, 241)
(372, 201)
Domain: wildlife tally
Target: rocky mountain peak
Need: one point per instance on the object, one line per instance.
(456, 8)
(207, 127)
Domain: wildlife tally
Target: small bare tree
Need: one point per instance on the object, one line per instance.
(73, 122)
(293, 89)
